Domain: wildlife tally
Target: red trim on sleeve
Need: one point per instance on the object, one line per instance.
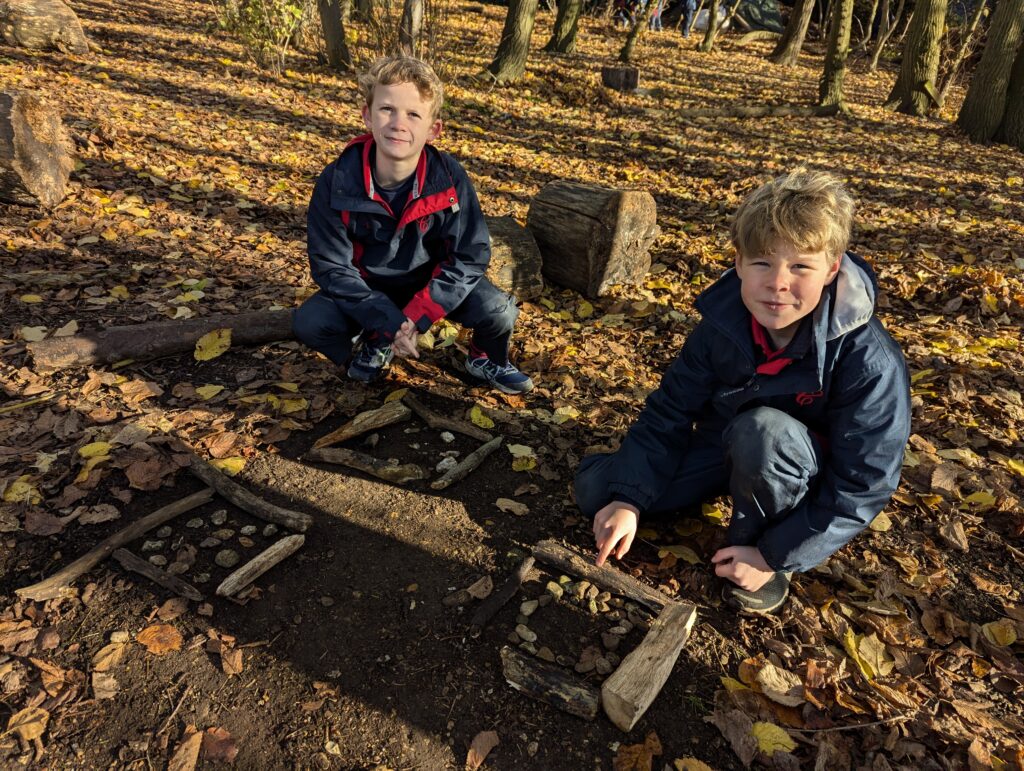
(422, 304)
(357, 258)
(775, 361)
(421, 207)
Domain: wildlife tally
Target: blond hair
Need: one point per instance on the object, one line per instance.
(393, 70)
(809, 210)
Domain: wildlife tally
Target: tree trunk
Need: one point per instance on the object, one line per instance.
(712, 31)
(884, 38)
(332, 21)
(639, 25)
(830, 89)
(563, 36)
(985, 104)
(44, 24)
(787, 50)
(410, 27)
(1012, 130)
(966, 45)
(35, 151)
(914, 92)
(509, 63)
(866, 38)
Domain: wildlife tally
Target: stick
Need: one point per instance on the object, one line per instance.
(360, 461)
(607, 577)
(468, 463)
(259, 565)
(57, 585)
(243, 499)
(549, 684)
(392, 412)
(435, 420)
(759, 111)
(629, 691)
(160, 577)
(497, 601)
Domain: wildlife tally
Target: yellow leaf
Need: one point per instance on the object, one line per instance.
(521, 451)
(1002, 632)
(688, 527)
(1015, 465)
(875, 654)
(691, 764)
(851, 643)
(22, 490)
(426, 340)
(584, 310)
(207, 392)
(229, 466)
(524, 464)
(225, 61)
(94, 449)
(120, 292)
(479, 418)
(289, 387)
(189, 297)
(31, 298)
(881, 523)
(29, 723)
(732, 684)
(396, 395)
(549, 304)
(682, 552)
(981, 498)
(563, 414)
(771, 738)
(289, 406)
(213, 344)
(647, 533)
(711, 512)
(90, 464)
(33, 334)
(67, 330)
(109, 234)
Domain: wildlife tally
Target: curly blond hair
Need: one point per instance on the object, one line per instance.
(392, 70)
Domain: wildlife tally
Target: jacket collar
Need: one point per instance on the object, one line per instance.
(430, 172)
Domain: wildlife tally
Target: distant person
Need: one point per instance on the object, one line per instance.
(396, 240)
(689, 8)
(789, 395)
(655, 21)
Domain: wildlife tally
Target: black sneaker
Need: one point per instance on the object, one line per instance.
(764, 602)
(370, 363)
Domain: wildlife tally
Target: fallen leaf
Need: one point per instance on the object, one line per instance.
(67, 330)
(771, 738)
(780, 685)
(524, 464)
(207, 392)
(160, 639)
(212, 344)
(874, 653)
(108, 657)
(394, 395)
(42, 523)
(229, 466)
(637, 757)
(137, 391)
(479, 418)
(513, 507)
(218, 746)
(231, 661)
(101, 512)
(95, 449)
(22, 490)
(172, 608)
(32, 334)
(691, 764)
(29, 723)
(1002, 632)
(482, 744)
(104, 685)
(680, 552)
(31, 298)
(186, 754)
(481, 589)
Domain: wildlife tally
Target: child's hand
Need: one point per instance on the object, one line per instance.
(615, 524)
(405, 340)
(744, 566)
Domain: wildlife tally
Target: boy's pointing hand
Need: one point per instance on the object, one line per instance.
(615, 525)
(743, 565)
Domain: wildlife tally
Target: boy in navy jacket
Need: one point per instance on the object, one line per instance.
(396, 240)
(789, 395)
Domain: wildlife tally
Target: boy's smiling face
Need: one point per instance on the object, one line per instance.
(780, 288)
(401, 122)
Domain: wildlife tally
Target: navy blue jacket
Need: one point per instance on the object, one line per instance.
(851, 388)
(360, 252)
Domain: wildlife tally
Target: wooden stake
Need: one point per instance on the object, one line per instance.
(632, 688)
(160, 577)
(259, 565)
(58, 584)
(435, 420)
(243, 499)
(607, 577)
(360, 461)
(391, 412)
(549, 684)
(468, 463)
(497, 601)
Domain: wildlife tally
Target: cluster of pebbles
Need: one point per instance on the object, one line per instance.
(621, 616)
(186, 553)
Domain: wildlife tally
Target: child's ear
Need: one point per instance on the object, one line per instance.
(435, 130)
(366, 117)
(833, 270)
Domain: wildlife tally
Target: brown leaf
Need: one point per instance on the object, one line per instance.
(14, 633)
(160, 639)
(171, 609)
(104, 685)
(148, 473)
(952, 532)
(102, 512)
(736, 727)
(218, 746)
(231, 661)
(221, 445)
(186, 754)
(39, 522)
(136, 391)
(108, 657)
(481, 588)
(990, 587)
(638, 757)
(29, 723)
(482, 744)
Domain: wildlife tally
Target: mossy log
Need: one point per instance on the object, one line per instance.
(42, 24)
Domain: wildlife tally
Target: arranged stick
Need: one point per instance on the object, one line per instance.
(497, 601)
(243, 499)
(550, 684)
(58, 585)
(615, 581)
(392, 412)
(259, 565)
(160, 577)
(632, 688)
(407, 472)
(468, 463)
(436, 420)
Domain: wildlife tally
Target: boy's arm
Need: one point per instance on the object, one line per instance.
(467, 251)
(332, 266)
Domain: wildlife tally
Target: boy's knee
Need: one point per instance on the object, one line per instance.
(502, 312)
(307, 323)
(763, 439)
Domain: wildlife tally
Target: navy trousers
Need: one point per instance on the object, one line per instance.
(488, 311)
(767, 461)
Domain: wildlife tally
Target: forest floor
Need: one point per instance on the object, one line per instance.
(188, 199)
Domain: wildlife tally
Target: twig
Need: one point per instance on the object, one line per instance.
(894, 719)
(467, 465)
(27, 403)
(136, 564)
(259, 565)
(435, 420)
(391, 412)
(360, 461)
(167, 722)
(497, 601)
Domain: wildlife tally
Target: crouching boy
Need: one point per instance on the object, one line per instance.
(396, 240)
(789, 395)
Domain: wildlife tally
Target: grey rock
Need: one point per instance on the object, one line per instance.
(615, 615)
(446, 464)
(613, 658)
(194, 522)
(177, 568)
(164, 532)
(603, 666)
(526, 633)
(604, 597)
(528, 607)
(269, 530)
(200, 578)
(120, 637)
(532, 748)
(616, 602)
(529, 647)
(513, 638)
(521, 619)
(326, 601)
(554, 590)
(620, 630)
(227, 558)
(610, 641)
(626, 625)
(565, 661)
(249, 530)
(546, 654)
(152, 545)
(224, 533)
(584, 666)
(158, 559)
(544, 600)
(592, 592)
(209, 543)
(219, 517)
(447, 437)
(248, 543)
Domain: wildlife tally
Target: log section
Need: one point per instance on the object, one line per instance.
(515, 259)
(45, 24)
(35, 151)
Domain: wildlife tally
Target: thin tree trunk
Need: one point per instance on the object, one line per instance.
(826, 20)
(914, 92)
(563, 36)
(966, 45)
(985, 104)
(1012, 130)
(410, 27)
(712, 31)
(338, 55)
(639, 25)
(830, 89)
(509, 63)
(787, 51)
(883, 21)
(883, 39)
(870, 27)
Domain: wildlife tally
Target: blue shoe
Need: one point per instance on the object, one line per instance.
(370, 363)
(505, 377)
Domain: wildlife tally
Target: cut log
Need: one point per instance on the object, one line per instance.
(591, 237)
(161, 338)
(435, 420)
(497, 601)
(360, 461)
(259, 565)
(615, 581)
(549, 684)
(42, 24)
(515, 259)
(632, 688)
(35, 151)
(760, 111)
(391, 412)
(159, 577)
(620, 77)
(467, 465)
(58, 584)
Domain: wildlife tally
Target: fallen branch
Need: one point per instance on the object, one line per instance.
(435, 420)
(160, 577)
(549, 684)
(760, 111)
(468, 463)
(259, 565)
(58, 584)
(757, 34)
(243, 499)
(391, 412)
(497, 601)
(407, 472)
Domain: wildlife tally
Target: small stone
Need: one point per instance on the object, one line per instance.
(224, 533)
(120, 637)
(249, 530)
(603, 607)
(613, 658)
(603, 666)
(544, 600)
(528, 607)
(563, 580)
(269, 530)
(158, 559)
(546, 654)
(554, 590)
(451, 454)
(529, 647)
(526, 633)
(152, 545)
(610, 641)
(625, 625)
(521, 619)
(531, 748)
(194, 522)
(513, 638)
(205, 609)
(177, 568)
(209, 543)
(565, 661)
(371, 440)
(584, 666)
(604, 597)
(227, 558)
(164, 532)
(615, 615)
(592, 592)
(592, 607)
(447, 437)
(446, 464)
(200, 578)
(620, 630)
(248, 543)
(616, 602)
(326, 601)
(634, 618)
(578, 590)
(219, 517)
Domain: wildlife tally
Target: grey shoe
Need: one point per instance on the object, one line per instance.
(370, 363)
(764, 602)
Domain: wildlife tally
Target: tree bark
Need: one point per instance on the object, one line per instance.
(332, 13)
(563, 36)
(42, 24)
(1012, 129)
(509, 63)
(985, 104)
(639, 25)
(883, 38)
(871, 23)
(712, 31)
(515, 265)
(966, 45)
(830, 89)
(410, 27)
(787, 50)
(914, 91)
(35, 151)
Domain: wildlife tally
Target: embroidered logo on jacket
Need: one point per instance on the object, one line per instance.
(804, 399)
